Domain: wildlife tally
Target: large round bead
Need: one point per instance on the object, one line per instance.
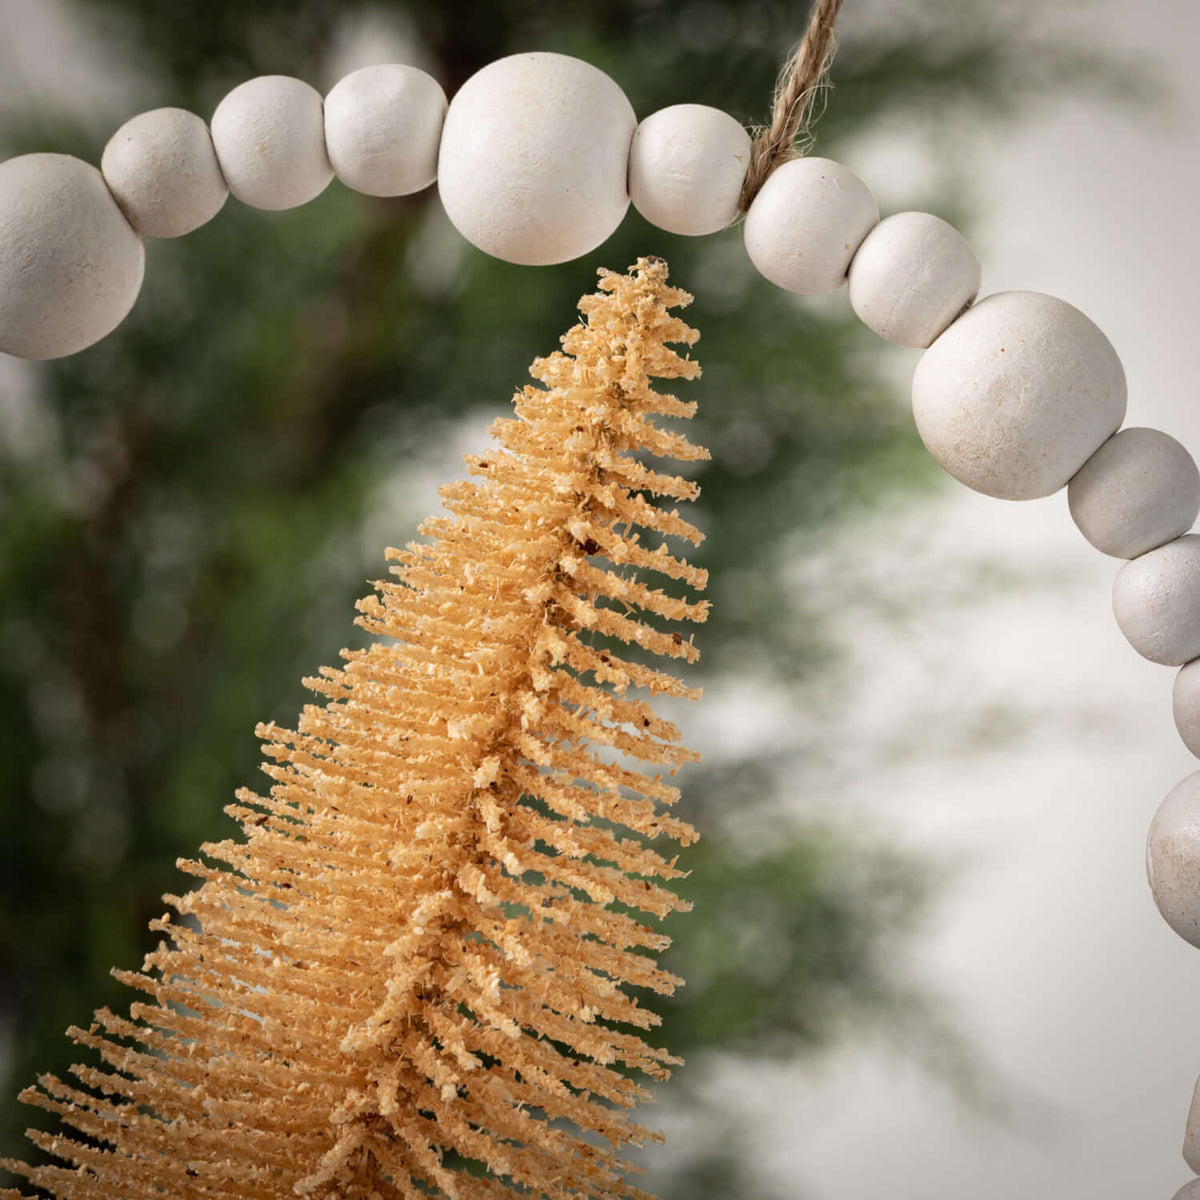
(1017, 394)
(805, 224)
(269, 135)
(1138, 491)
(163, 170)
(686, 168)
(911, 277)
(71, 265)
(1189, 1191)
(1173, 859)
(534, 158)
(383, 126)
(1185, 705)
(1156, 600)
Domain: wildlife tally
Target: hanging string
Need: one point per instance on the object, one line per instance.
(801, 82)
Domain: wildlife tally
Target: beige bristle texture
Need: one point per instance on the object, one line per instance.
(419, 951)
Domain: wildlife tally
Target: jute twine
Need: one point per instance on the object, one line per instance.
(801, 83)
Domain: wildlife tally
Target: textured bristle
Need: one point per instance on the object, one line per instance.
(410, 975)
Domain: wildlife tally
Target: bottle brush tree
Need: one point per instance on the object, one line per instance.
(415, 972)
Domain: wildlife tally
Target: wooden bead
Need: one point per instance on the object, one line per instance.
(534, 158)
(1189, 1191)
(269, 135)
(911, 277)
(805, 224)
(1185, 705)
(1191, 1132)
(70, 263)
(383, 126)
(1017, 395)
(1140, 490)
(686, 168)
(1173, 859)
(1156, 600)
(163, 171)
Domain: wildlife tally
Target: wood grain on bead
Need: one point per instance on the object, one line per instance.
(1017, 395)
(1173, 859)
(269, 134)
(806, 223)
(686, 168)
(383, 127)
(534, 158)
(1156, 600)
(163, 171)
(912, 275)
(1140, 490)
(71, 265)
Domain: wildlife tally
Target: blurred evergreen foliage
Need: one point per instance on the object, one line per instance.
(189, 509)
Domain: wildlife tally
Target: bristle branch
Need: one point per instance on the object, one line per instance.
(421, 951)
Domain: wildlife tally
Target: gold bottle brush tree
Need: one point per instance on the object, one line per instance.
(410, 975)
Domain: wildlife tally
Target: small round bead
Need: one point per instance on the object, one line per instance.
(1173, 859)
(269, 135)
(1185, 705)
(911, 277)
(1140, 490)
(1156, 600)
(534, 158)
(1017, 395)
(805, 224)
(163, 170)
(1189, 1191)
(686, 168)
(383, 125)
(1191, 1132)
(70, 263)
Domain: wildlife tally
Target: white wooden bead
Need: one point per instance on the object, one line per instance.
(1138, 491)
(1156, 600)
(1017, 395)
(70, 263)
(1191, 1132)
(269, 135)
(163, 170)
(911, 277)
(1189, 1191)
(1173, 859)
(383, 126)
(534, 158)
(686, 168)
(805, 224)
(1185, 705)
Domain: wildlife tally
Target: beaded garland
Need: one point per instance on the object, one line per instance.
(537, 159)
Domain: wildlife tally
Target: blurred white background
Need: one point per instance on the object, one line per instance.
(1047, 944)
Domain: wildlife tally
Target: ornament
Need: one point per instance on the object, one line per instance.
(420, 946)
